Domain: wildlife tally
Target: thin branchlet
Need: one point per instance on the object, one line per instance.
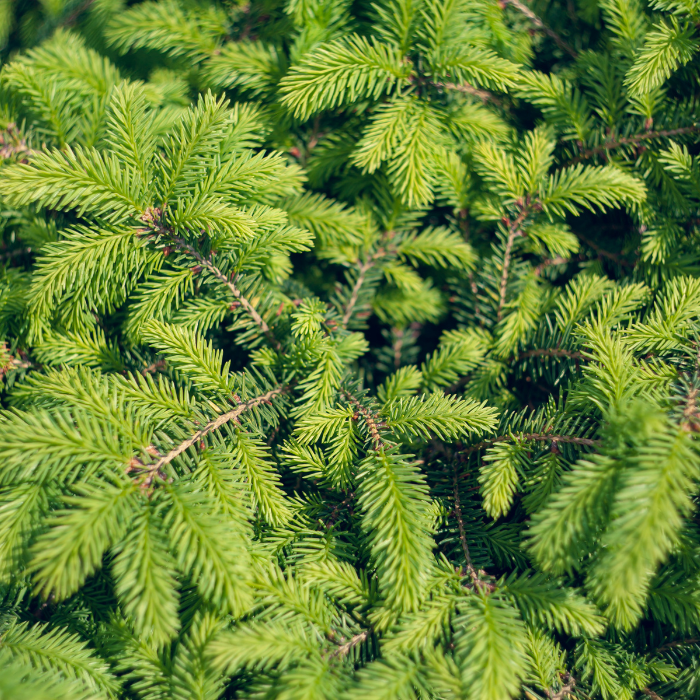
(373, 422)
(345, 649)
(634, 140)
(151, 470)
(541, 26)
(460, 522)
(365, 267)
(245, 303)
(513, 231)
(530, 437)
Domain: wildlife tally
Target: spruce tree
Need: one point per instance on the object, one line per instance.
(349, 350)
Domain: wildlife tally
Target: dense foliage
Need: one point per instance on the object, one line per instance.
(349, 349)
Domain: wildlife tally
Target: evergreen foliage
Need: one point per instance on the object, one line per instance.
(349, 350)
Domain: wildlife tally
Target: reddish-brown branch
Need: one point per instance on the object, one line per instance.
(345, 649)
(372, 421)
(364, 269)
(513, 231)
(484, 95)
(678, 643)
(245, 303)
(153, 218)
(633, 140)
(151, 470)
(601, 252)
(550, 352)
(460, 523)
(541, 26)
(567, 688)
(549, 262)
(5, 254)
(531, 437)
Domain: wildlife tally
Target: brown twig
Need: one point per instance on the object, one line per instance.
(541, 26)
(334, 513)
(513, 231)
(153, 368)
(204, 262)
(531, 437)
(151, 470)
(460, 523)
(558, 260)
(344, 649)
(14, 253)
(484, 95)
(566, 689)
(152, 218)
(632, 140)
(364, 268)
(678, 643)
(651, 694)
(373, 423)
(12, 143)
(550, 352)
(245, 303)
(68, 21)
(601, 252)
(691, 415)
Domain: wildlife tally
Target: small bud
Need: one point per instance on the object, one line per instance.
(294, 151)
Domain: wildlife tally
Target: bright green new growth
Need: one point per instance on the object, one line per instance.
(349, 350)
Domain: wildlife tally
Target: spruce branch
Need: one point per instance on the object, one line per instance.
(635, 140)
(513, 231)
(364, 269)
(541, 26)
(344, 649)
(550, 352)
(530, 437)
(230, 284)
(373, 422)
(565, 691)
(460, 523)
(156, 468)
(468, 89)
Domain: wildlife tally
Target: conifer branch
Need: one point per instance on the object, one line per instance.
(541, 26)
(344, 649)
(513, 231)
(484, 95)
(550, 352)
(364, 269)
(460, 523)
(634, 141)
(245, 303)
(530, 437)
(374, 424)
(13, 143)
(566, 690)
(156, 467)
